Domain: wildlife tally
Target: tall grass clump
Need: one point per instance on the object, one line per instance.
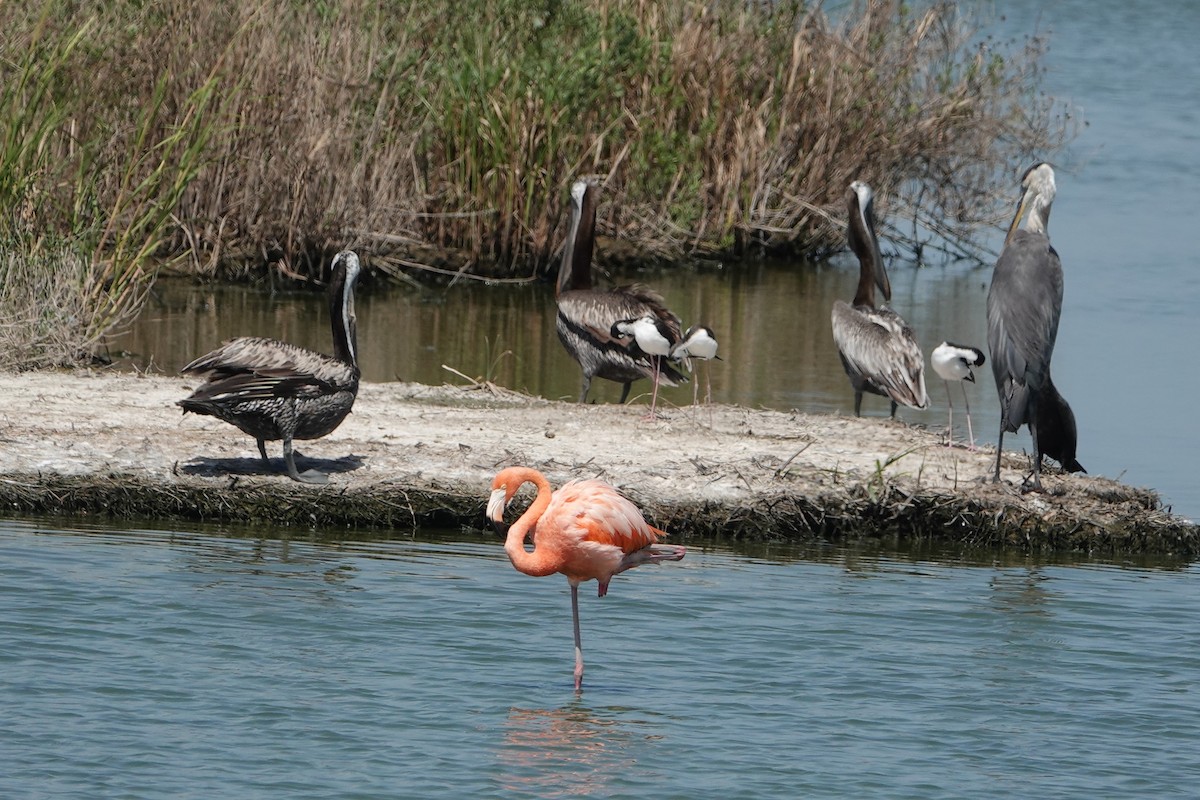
(447, 132)
(87, 202)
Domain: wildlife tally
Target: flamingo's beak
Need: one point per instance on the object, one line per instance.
(495, 509)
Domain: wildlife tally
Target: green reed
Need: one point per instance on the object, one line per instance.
(85, 218)
(449, 132)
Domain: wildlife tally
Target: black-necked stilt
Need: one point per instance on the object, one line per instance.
(652, 337)
(698, 342)
(953, 362)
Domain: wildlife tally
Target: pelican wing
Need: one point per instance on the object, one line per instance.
(879, 349)
(256, 368)
(595, 311)
(589, 314)
(592, 313)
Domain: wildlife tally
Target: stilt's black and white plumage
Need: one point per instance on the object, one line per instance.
(652, 336)
(273, 390)
(1024, 304)
(698, 342)
(586, 314)
(953, 362)
(879, 350)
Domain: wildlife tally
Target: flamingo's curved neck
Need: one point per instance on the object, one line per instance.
(536, 562)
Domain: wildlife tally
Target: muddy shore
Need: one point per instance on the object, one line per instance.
(114, 444)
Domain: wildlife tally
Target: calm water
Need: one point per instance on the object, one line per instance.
(1129, 189)
(205, 662)
(148, 663)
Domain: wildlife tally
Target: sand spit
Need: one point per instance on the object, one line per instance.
(114, 444)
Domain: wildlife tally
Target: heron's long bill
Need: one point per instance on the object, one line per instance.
(1016, 220)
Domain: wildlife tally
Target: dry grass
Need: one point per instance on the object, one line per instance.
(44, 322)
(714, 126)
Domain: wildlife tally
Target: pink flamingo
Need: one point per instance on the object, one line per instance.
(585, 530)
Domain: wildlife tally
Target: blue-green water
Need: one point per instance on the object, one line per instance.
(148, 663)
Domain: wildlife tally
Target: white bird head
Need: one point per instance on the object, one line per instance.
(698, 342)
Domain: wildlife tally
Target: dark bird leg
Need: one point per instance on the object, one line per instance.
(1036, 485)
(625, 387)
(858, 404)
(999, 451)
(587, 384)
(308, 476)
(262, 451)
(893, 409)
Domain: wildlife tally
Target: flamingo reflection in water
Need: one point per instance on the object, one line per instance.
(573, 750)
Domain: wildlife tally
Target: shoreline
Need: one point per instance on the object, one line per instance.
(114, 444)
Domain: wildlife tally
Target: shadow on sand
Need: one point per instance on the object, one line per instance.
(217, 467)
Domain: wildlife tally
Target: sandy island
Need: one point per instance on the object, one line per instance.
(101, 442)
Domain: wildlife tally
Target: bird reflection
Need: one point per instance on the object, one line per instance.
(1021, 592)
(566, 752)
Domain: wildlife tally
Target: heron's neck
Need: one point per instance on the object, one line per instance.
(1039, 217)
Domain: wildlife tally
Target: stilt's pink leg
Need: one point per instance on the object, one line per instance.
(950, 430)
(970, 432)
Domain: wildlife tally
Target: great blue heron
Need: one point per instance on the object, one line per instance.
(1024, 304)
(879, 350)
(953, 362)
(586, 314)
(273, 390)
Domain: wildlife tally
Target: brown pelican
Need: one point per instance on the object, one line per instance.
(586, 315)
(878, 349)
(1056, 429)
(274, 390)
(1024, 304)
(953, 362)
(698, 342)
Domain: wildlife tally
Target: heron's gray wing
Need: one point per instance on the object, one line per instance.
(1023, 308)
